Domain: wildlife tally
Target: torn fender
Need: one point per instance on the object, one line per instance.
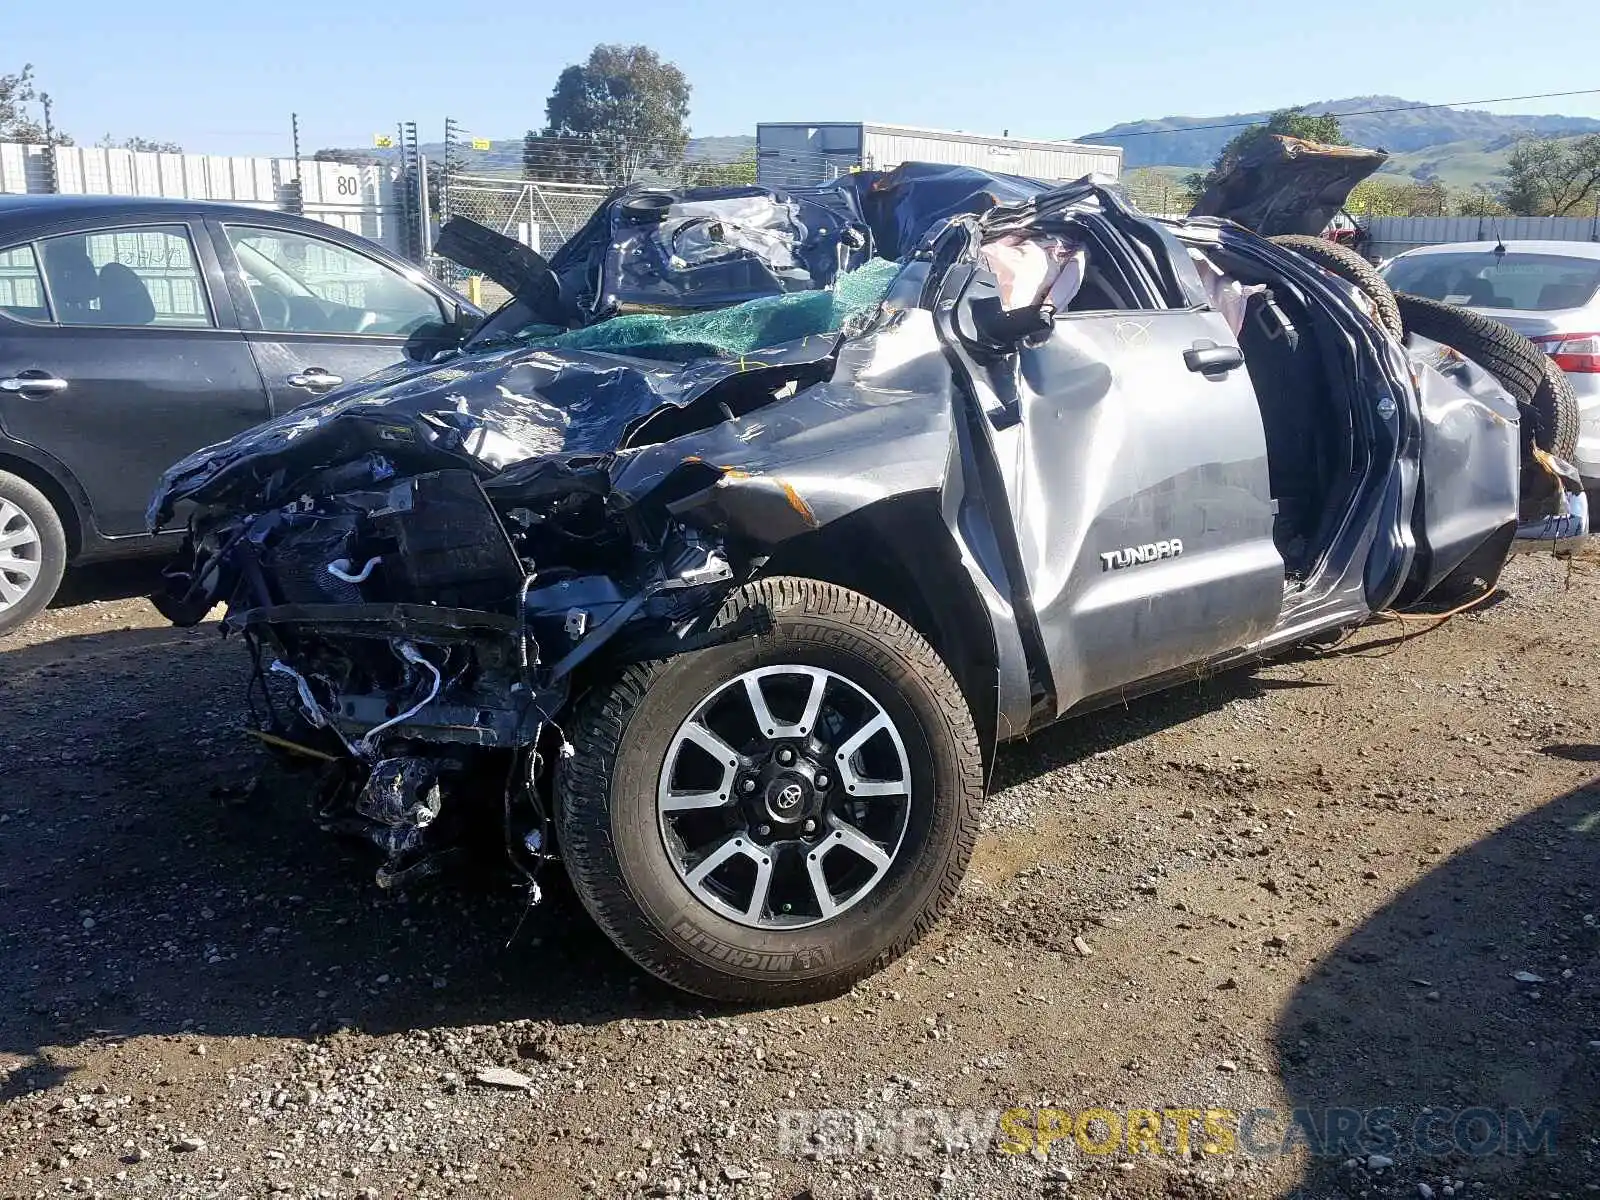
(880, 426)
(1470, 470)
(887, 425)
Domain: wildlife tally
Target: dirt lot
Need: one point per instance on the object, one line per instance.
(1308, 886)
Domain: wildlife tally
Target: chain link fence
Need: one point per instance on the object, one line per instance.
(544, 213)
(1157, 195)
(541, 215)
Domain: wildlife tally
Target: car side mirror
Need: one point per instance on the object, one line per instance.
(437, 336)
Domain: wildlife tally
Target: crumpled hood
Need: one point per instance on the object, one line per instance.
(486, 411)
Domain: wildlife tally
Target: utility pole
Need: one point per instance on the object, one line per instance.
(294, 132)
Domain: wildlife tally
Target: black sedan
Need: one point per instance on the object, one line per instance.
(133, 331)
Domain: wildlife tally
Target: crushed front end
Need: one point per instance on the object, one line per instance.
(426, 654)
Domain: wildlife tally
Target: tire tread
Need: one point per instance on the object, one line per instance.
(583, 784)
(1511, 358)
(1555, 410)
(1351, 267)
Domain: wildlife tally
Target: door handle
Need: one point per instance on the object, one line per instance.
(315, 379)
(1208, 358)
(35, 385)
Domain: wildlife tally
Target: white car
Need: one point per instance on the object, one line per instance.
(1547, 291)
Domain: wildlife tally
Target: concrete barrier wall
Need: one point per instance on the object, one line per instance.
(358, 198)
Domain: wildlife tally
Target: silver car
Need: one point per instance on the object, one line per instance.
(1547, 291)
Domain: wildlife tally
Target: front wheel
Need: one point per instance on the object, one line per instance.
(33, 552)
(774, 818)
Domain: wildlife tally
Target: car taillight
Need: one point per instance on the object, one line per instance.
(1577, 353)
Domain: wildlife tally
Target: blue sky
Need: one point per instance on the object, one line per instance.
(223, 77)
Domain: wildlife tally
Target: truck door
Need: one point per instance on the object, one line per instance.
(1138, 487)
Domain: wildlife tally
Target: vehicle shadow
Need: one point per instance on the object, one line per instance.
(1111, 728)
(1581, 752)
(109, 581)
(1473, 989)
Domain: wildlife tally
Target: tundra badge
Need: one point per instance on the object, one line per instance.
(1115, 560)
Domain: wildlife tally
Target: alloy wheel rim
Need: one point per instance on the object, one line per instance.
(784, 797)
(21, 554)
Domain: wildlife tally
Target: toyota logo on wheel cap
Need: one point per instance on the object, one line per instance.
(788, 797)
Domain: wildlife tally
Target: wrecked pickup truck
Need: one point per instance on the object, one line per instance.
(717, 563)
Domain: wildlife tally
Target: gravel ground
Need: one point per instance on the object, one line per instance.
(1308, 886)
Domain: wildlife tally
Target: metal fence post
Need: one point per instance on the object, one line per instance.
(425, 225)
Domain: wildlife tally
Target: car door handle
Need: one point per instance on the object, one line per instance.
(35, 385)
(315, 379)
(1208, 358)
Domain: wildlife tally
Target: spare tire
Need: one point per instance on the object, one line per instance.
(1512, 359)
(1555, 412)
(1352, 268)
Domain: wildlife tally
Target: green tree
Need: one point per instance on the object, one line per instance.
(17, 122)
(741, 172)
(620, 112)
(1293, 122)
(145, 145)
(1429, 198)
(1479, 201)
(1158, 192)
(1553, 177)
(1395, 196)
(355, 158)
(1377, 196)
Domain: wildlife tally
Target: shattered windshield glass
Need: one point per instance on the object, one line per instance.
(740, 329)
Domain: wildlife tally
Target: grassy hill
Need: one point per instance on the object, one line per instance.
(1167, 142)
(1456, 164)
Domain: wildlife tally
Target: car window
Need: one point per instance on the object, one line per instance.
(146, 275)
(21, 285)
(1516, 280)
(302, 284)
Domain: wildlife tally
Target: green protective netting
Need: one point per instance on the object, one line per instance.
(741, 328)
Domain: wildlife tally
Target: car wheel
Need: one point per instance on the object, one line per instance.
(774, 818)
(33, 551)
(1512, 359)
(1352, 268)
(1555, 412)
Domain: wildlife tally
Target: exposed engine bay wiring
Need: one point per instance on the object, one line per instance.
(339, 568)
(411, 654)
(312, 709)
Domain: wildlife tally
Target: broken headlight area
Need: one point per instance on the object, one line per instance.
(405, 631)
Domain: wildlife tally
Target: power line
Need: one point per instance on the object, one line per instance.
(1367, 112)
